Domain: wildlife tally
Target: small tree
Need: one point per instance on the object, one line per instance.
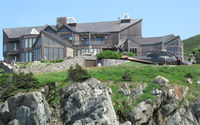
(130, 54)
(196, 53)
(108, 54)
(127, 76)
(78, 74)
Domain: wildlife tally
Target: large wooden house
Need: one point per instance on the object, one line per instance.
(68, 38)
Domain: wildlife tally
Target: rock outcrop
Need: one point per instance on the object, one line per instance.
(89, 103)
(25, 109)
(166, 108)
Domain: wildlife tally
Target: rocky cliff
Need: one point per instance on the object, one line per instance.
(90, 103)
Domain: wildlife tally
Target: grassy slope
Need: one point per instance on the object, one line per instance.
(140, 73)
(190, 44)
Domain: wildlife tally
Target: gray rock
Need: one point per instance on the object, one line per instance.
(56, 84)
(196, 109)
(141, 114)
(126, 123)
(189, 80)
(124, 89)
(181, 117)
(198, 82)
(30, 108)
(161, 81)
(14, 122)
(138, 91)
(89, 103)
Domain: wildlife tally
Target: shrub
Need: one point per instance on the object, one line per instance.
(108, 54)
(78, 74)
(127, 76)
(17, 82)
(196, 53)
(130, 54)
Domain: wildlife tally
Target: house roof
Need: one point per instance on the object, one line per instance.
(99, 27)
(154, 40)
(57, 38)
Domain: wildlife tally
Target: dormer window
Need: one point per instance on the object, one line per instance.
(126, 18)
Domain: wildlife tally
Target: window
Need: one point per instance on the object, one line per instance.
(61, 54)
(55, 53)
(22, 57)
(26, 43)
(30, 42)
(34, 39)
(46, 42)
(30, 56)
(50, 53)
(66, 36)
(70, 36)
(15, 59)
(26, 56)
(46, 56)
(99, 40)
(15, 46)
(4, 47)
(95, 51)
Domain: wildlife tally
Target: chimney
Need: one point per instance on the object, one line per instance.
(71, 21)
(61, 21)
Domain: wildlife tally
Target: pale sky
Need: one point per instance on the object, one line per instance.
(160, 17)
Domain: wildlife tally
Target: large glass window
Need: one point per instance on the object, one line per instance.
(50, 53)
(30, 56)
(34, 39)
(26, 56)
(15, 46)
(22, 57)
(70, 36)
(55, 53)
(30, 42)
(61, 53)
(46, 57)
(4, 47)
(26, 43)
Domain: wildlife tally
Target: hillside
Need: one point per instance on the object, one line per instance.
(190, 44)
(161, 102)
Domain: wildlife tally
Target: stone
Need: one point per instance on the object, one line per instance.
(126, 123)
(181, 117)
(124, 89)
(198, 82)
(14, 122)
(156, 92)
(138, 91)
(189, 80)
(196, 109)
(89, 103)
(26, 108)
(56, 84)
(141, 114)
(161, 81)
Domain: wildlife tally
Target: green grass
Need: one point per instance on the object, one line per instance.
(190, 44)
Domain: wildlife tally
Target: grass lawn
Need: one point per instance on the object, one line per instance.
(141, 73)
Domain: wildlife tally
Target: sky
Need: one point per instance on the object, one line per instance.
(160, 17)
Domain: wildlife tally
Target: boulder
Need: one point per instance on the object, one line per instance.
(189, 80)
(25, 109)
(138, 91)
(181, 117)
(161, 81)
(126, 123)
(196, 109)
(89, 103)
(141, 114)
(198, 82)
(124, 90)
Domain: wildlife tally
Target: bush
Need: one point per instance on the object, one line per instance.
(17, 82)
(127, 76)
(130, 54)
(196, 53)
(78, 74)
(108, 54)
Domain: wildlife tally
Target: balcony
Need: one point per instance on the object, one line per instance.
(13, 52)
